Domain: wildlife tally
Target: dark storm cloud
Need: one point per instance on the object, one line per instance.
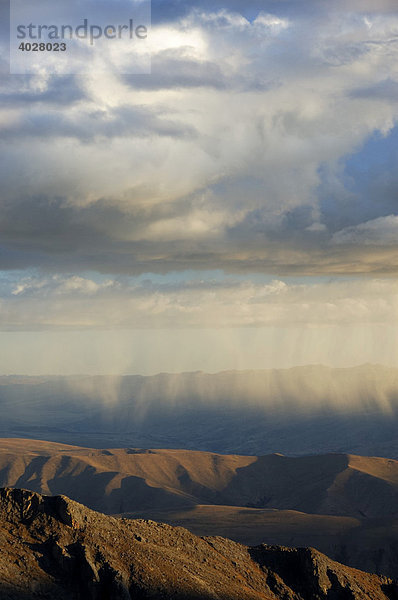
(51, 235)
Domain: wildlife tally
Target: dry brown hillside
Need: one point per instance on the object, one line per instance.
(55, 548)
(126, 480)
(345, 506)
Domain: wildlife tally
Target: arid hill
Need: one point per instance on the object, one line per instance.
(345, 506)
(126, 480)
(55, 548)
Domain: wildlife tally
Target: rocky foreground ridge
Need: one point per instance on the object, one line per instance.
(55, 548)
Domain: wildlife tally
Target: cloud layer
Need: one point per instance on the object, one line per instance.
(237, 152)
(80, 303)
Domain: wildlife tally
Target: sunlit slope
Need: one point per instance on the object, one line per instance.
(118, 480)
(126, 480)
(330, 484)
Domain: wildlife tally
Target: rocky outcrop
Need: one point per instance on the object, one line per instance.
(55, 548)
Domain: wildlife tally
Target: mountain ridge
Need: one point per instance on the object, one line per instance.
(54, 547)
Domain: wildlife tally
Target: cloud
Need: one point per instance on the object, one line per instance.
(75, 302)
(93, 124)
(49, 91)
(386, 89)
(379, 232)
(237, 152)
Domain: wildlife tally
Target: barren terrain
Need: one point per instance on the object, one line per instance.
(55, 548)
(343, 505)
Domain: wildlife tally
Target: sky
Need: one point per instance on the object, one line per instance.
(235, 208)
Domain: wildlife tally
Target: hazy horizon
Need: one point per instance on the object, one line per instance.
(200, 371)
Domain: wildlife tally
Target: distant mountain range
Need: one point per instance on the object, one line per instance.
(304, 410)
(343, 505)
(55, 548)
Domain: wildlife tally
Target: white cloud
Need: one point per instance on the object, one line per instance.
(273, 22)
(45, 288)
(76, 302)
(379, 232)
